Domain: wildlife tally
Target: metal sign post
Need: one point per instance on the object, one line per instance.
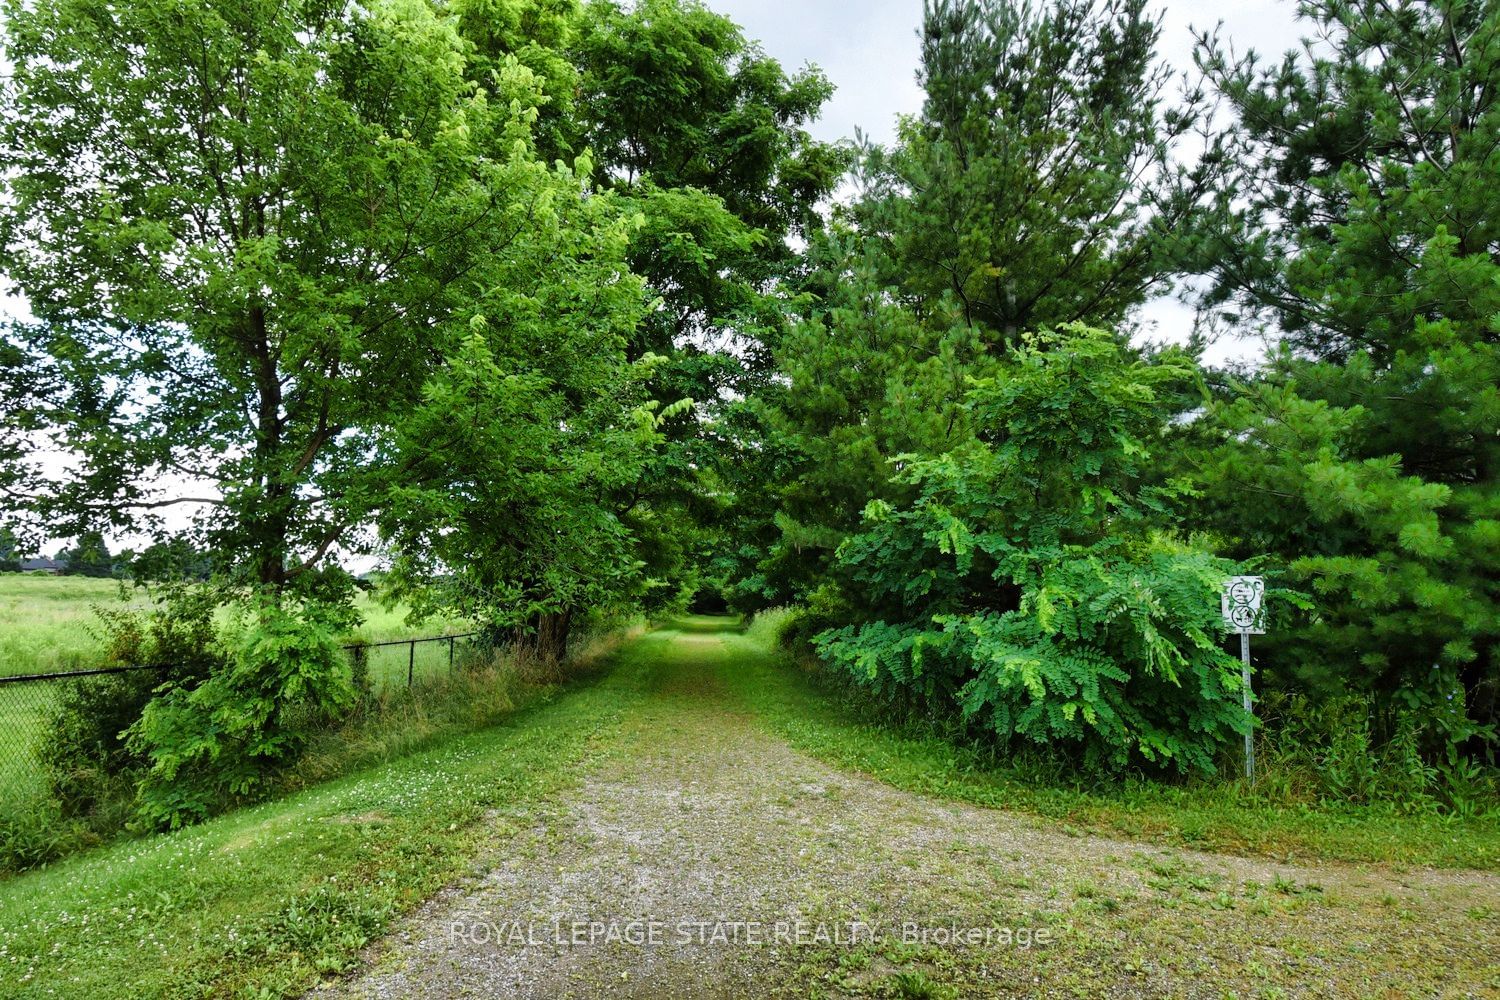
(1242, 605)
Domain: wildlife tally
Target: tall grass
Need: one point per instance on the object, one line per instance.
(47, 623)
(485, 687)
(391, 720)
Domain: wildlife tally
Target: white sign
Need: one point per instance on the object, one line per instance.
(1241, 604)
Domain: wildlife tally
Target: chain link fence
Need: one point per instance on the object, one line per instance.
(27, 701)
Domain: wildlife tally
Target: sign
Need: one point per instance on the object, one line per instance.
(1242, 605)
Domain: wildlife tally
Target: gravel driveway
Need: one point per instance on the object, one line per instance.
(703, 857)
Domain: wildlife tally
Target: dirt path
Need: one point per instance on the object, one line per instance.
(705, 858)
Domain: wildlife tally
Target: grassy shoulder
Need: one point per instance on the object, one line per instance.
(1223, 815)
(267, 900)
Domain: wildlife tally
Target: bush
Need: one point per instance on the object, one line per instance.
(220, 741)
(1325, 751)
(90, 769)
(1034, 587)
(33, 831)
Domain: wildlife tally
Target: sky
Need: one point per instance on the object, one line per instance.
(868, 49)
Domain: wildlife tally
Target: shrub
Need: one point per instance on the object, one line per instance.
(33, 830)
(1324, 750)
(90, 769)
(1033, 586)
(221, 740)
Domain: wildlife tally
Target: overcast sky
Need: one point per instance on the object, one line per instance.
(869, 50)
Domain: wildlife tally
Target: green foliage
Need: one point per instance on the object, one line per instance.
(1326, 750)
(1034, 188)
(706, 136)
(34, 831)
(10, 550)
(379, 841)
(539, 35)
(513, 463)
(1276, 817)
(1029, 585)
(866, 381)
(1036, 185)
(89, 557)
(254, 314)
(674, 92)
(220, 740)
(1359, 219)
(91, 769)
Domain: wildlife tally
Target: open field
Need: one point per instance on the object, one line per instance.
(49, 624)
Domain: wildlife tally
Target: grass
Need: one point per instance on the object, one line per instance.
(23, 710)
(266, 901)
(1222, 815)
(270, 900)
(48, 623)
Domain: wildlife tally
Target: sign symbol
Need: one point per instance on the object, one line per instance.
(1241, 604)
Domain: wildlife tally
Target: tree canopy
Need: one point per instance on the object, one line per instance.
(562, 310)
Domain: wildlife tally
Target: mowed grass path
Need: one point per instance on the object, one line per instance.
(687, 736)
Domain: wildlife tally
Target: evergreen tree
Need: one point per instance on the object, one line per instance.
(1034, 188)
(89, 556)
(1362, 223)
(10, 550)
(1037, 185)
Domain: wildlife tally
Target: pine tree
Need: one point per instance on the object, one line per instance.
(1363, 224)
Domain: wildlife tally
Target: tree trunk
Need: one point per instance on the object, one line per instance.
(546, 635)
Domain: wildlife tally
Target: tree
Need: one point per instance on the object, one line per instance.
(864, 380)
(706, 136)
(512, 459)
(1037, 186)
(1032, 586)
(22, 385)
(676, 97)
(88, 557)
(541, 35)
(10, 551)
(245, 263)
(1034, 188)
(1362, 223)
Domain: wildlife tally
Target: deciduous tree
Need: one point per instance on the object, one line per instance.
(250, 234)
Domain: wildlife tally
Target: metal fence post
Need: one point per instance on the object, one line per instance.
(451, 641)
(411, 660)
(1249, 709)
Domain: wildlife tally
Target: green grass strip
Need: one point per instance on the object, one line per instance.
(265, 901)
(1216, 815)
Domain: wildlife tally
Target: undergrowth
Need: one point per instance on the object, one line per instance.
(40, 825)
